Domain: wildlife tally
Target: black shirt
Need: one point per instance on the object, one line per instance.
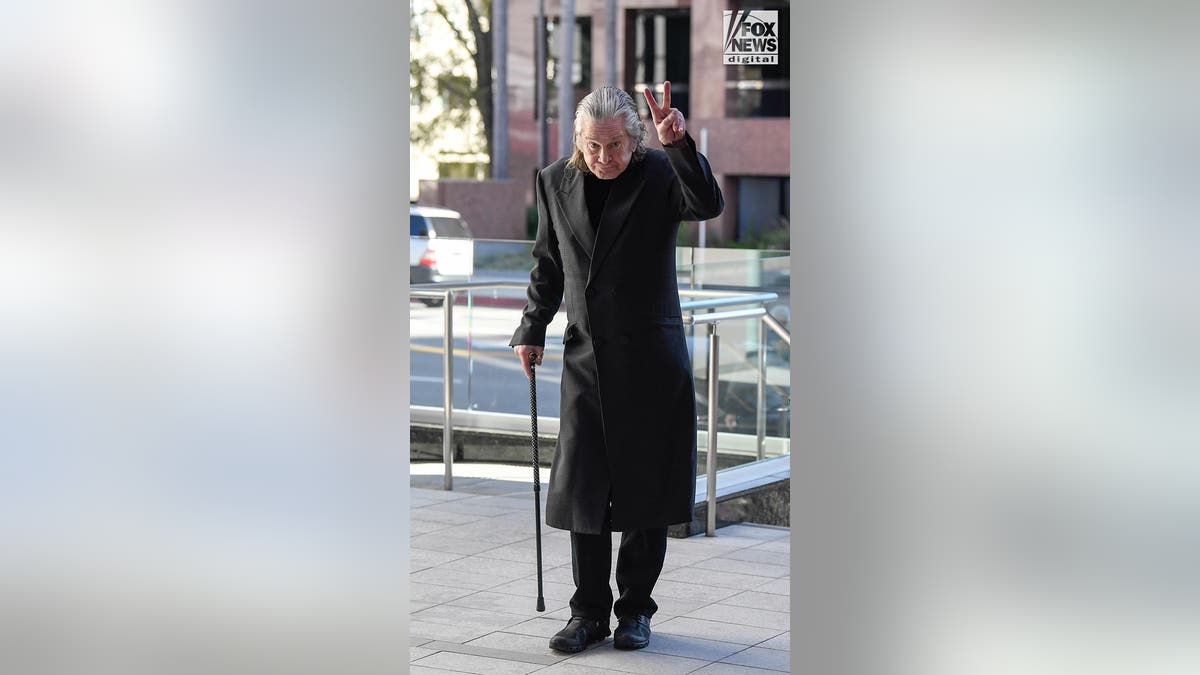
(595, 191)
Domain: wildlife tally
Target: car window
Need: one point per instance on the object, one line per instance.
(417, 226)
(449, 227)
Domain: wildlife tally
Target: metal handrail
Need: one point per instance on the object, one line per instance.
(752, 299)
(715, 298)
(714, 317)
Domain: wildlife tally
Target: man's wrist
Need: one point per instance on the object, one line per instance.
(682, 142)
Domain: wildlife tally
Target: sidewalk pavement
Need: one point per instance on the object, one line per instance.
(723, 601)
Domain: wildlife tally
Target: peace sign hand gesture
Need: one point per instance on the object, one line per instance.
(668, 121)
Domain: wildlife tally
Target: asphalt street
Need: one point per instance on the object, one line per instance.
(487, 375)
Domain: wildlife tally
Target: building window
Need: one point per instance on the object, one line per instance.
(658, 48)
(581, 62)
(757, 90)
(763, 207)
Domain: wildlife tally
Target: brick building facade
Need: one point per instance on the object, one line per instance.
(743, 109)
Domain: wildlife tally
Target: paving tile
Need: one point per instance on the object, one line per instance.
(471, 581)
(493, 486)
(419, 527)
(526, 551)
(416, 493)
(475, 509)
(730, 669)
(743, 616)
(424, 670)
(415, 653)
(527, 588)
(435, 594)
(469, 617)
(419, 559)
(571, 668)
(561, 574)
(489, 530)
(775, 546)
(754, 531)
(529, 644)
(439, 542)
(483, 665)
(757, 657)
(690, 647)
(433, 515)
(755, 554)
(716, 630)
(444, 632)
(676, 606)
(504, 602)
(504, 568)
(640, 661)
(743, 567)
(542, 627)
(781, 586)
(783, 642)
(474, 570)
(507, 654)
(693, 575)
(520, 501)
(695, 590)
(510, 494)
(759, 600)
(724, 542)
(683, 559)
(561, 613)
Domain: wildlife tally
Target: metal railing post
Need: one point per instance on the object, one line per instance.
(448, 391)
(714, 343)
(761, 415)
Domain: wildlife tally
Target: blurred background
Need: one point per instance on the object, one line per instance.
(201, 464)
(996, 393)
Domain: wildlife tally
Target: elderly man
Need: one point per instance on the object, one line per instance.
(626, 454)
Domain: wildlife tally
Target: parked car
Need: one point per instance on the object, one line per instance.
(737, 405)
(440, 247)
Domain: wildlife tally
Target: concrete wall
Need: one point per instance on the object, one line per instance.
(495, 209)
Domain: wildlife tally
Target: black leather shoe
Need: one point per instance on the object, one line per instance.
(633, 632)
(578, 634)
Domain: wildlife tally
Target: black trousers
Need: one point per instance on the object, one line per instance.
(639, 562)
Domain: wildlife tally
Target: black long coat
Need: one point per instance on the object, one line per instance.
(627, 429)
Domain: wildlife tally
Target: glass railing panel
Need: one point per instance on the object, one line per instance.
(488, 378)
(487, 375)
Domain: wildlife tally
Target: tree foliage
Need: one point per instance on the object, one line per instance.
(460, 74)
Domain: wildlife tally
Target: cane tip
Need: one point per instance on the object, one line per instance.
(541, 604)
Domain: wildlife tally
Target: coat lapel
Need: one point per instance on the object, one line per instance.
(573, 206)
(625, 191)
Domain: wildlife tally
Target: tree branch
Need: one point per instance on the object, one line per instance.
(458, 34)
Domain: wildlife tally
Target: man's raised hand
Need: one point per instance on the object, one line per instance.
(668, 121)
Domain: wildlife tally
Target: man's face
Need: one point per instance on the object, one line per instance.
(605, 146)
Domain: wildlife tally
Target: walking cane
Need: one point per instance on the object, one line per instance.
(537, 481)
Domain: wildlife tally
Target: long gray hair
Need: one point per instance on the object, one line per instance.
(602, 104)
